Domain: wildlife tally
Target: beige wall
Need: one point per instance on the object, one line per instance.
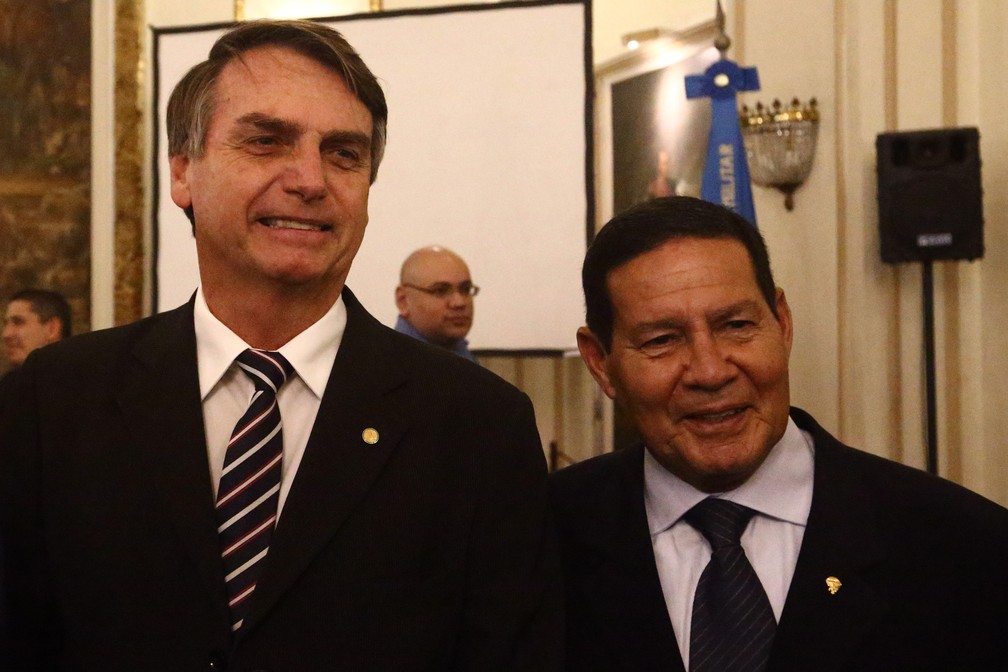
(611, 18)
(875, 66)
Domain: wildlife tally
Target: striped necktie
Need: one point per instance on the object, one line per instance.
(733, 623)
(249, 488)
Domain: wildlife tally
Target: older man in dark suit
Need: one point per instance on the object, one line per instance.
(741, 536)
(267, 478)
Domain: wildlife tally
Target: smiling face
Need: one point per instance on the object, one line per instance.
(23, 331)
(698, 360)
(280, 193)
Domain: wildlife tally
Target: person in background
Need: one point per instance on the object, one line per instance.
(740, 535)
(267, 478)
(435, 299)
(34, 317)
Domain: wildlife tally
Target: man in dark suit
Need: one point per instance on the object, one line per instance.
(836, 559)
(400, 523)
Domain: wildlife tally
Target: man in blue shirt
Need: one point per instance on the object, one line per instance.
(435, 299)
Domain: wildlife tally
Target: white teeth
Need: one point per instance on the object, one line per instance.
(720, 416)
(291, 224)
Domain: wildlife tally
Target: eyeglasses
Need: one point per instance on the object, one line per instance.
(443, 290)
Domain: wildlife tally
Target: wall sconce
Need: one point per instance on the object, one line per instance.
(780, 144)
(635, 39)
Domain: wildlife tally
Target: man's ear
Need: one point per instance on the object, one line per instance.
(784, 318)
(180, 194)
(53, 329)
(400, 301)
(596, 358)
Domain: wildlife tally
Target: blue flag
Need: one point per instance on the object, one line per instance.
(726, 173)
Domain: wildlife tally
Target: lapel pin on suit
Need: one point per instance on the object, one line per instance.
(833, 585)
(370, 436)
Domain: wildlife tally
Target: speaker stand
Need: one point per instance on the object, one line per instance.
(927, 283)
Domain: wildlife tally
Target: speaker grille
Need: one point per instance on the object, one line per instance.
(930, 196)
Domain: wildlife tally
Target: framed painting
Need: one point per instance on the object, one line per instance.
(651, 140)
(45, 162)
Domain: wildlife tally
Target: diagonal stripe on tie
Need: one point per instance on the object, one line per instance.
(249, 488)
(733, 625)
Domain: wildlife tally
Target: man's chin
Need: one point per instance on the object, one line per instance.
(455, 333)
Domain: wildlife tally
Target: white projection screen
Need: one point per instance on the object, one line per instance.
(489, 153)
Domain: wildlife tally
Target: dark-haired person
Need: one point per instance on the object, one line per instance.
(34, 317)
(741, 535)
(266, 478)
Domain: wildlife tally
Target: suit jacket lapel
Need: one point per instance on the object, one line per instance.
(625, 581)
(818, 628)
(160, 401)
(339, 466)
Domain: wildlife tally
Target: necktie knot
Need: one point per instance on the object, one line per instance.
(721, 522)
(268, 370)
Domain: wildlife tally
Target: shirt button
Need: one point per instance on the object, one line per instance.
(218, 662)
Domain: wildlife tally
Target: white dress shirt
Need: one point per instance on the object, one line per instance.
(780, 492)
(226, 390)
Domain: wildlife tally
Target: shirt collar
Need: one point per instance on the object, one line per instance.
(311, 353)
(781, 488)
(404, 326)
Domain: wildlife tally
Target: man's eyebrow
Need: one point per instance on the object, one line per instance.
(286, 127)
(678, 322)
(267, 123)
(734, 309)
(658, 325)
(346, 138)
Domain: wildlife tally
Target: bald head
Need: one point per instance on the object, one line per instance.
(434, 296)
(431, 259)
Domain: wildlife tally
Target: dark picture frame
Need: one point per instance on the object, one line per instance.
(652, 141)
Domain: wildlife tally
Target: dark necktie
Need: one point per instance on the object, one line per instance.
(249, 488)
(733, 624)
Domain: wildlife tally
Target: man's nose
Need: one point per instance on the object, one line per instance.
(708, 367)
(458, 298)
(305, 174)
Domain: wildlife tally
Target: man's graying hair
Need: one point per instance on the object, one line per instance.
(192, 102)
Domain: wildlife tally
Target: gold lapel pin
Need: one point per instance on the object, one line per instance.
(370, 436)
(833, 585)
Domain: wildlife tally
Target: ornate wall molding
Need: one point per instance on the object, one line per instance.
(130, 256)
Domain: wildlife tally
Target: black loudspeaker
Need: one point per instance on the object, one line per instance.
(929, 194)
